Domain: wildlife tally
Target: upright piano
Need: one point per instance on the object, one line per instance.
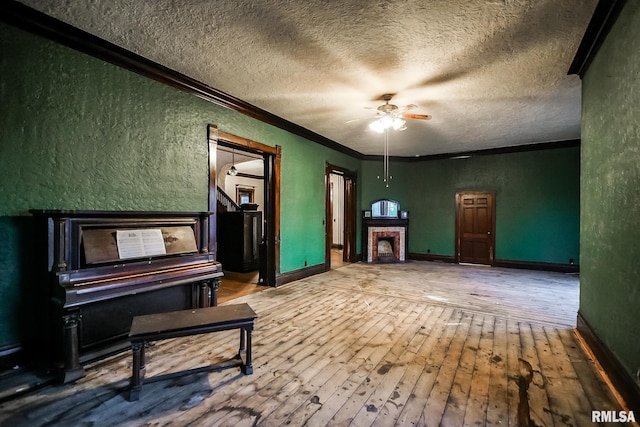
(102, 268)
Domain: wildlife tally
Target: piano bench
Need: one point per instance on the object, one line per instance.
(160, 326)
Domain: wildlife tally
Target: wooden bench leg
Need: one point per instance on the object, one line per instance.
(143, 363)
(247, 367)
(242, 341)
(137, 370)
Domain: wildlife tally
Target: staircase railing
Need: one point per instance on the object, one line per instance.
(226, 202)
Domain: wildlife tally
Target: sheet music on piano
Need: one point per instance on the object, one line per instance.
(140, 243)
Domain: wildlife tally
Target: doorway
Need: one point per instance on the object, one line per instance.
(269, 255)
(475, 225)
(340, 218)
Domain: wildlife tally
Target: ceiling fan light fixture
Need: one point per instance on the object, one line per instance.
(387, 122)
(397, 123)
(377, 126)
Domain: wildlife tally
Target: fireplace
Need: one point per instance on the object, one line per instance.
(385, 247)
(387, 244)
(384, 234)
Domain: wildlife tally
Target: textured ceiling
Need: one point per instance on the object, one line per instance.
(492, 73)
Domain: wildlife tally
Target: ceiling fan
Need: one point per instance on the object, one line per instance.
(391, 116)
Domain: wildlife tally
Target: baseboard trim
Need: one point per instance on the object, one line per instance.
(292, 276)
(524, 265)
(431, 257)
(542, 266)
(621, 380)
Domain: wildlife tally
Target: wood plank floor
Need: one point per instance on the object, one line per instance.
(235, 285)
(413, 344)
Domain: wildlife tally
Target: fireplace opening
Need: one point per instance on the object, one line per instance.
(386, 251)
(386, 244)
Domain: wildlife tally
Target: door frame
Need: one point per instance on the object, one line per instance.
(350, 217)
(492, 239)
(272, 158)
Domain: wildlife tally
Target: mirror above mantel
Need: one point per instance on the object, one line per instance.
(385, 209)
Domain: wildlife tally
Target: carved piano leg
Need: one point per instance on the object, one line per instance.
(215, 284)
(72, 368)
(205, 295)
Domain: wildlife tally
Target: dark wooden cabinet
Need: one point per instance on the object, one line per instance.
(239, 236)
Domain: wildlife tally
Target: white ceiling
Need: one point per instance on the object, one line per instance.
(244, 162)
(492, 73)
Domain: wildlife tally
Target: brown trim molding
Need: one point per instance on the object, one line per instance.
(490, 151)
(303, 273)
(273, 157)
(350, 215)
(604, 16)
(248, 175)
(542, 266)
(622, 381)
(26, 18)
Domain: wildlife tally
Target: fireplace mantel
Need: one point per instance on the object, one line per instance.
(385, 221)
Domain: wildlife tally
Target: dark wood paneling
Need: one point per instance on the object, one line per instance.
(239, 239)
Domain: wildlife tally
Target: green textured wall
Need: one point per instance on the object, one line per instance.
(302, 203)
(78, 133)
(537, 201)
(610, 246)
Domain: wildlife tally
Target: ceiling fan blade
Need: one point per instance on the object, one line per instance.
(358, 119)
(408, 107)
(416, 116)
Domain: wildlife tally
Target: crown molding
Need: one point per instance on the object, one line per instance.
(466, 154)
(36, 22)
(604, 16)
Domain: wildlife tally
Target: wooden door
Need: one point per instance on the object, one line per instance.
(349, 252)
(475, 225)
(271, 221)
(349, 204)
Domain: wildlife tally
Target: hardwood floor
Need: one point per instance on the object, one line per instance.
(408, 344)
(336, 259)
(235, 285)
